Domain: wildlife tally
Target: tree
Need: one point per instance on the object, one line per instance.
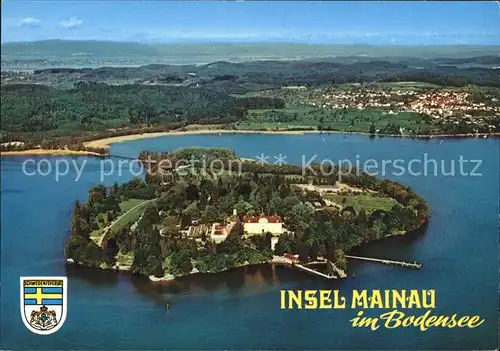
(210, 214)
(238, 228)
(378, 229)
(303, 252)
(192, 210)
(289, 202)
(147, 251)
(192, 193)
(151, 213)
(286, 243)
(299, 218)
(82, 251)
(93, 255)
(232, 243)
(97, 194)
(80, 227)
(180, 263)
(340, 260)
(276, 205)
(75, 247)
(185, 220)
(362, 218)
(372, 130)
(110, 251)
(243, 207)
(76, 209)
(244, 189)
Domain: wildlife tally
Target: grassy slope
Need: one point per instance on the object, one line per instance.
(131, 215)
(311, 117)
(135, 207)
(128, 204)
(368, 202)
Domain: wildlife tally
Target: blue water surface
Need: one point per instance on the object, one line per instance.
(240, 309)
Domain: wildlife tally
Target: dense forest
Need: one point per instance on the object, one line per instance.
(32, 108)
(158, 244)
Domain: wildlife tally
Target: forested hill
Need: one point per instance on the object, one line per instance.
(253, 75)
(75, 101)
(32, 108)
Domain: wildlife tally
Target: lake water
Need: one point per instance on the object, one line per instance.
(240, 309)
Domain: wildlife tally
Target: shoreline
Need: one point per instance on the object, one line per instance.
(107, 142)
(60, 152)
(276, 260)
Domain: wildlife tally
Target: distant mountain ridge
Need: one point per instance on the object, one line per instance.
(241, 77)
(72, 50)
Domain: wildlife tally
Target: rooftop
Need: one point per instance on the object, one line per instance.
(262, 219)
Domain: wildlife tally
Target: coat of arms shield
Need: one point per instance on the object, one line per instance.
(43, 303)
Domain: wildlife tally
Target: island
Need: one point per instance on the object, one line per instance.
(219, 211)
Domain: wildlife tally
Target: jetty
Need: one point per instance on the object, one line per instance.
(381, 260)
(313, 271)
(294, 263)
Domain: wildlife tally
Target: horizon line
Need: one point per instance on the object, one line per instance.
(225, 42)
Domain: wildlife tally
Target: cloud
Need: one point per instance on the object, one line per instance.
(29, 22)
(73, 22)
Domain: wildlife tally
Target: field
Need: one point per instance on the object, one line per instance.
(131, 210)
(406, 85)
(130, 203)
(348, 120)
(134, 209)
(368, 202)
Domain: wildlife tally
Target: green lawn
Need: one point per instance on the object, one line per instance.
(406, 85)
(349, 120)
(368, 202)
(131, 214)
(191, 127)
(394, 85)
(130, 203)
(126, 220)
(272, 126)
(124, 259)
(290, 109)
(96, 235)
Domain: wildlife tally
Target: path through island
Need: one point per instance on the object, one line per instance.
(107, 229)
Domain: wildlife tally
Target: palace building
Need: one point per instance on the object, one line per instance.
(263, 224)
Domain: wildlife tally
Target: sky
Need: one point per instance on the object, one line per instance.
(348, 22)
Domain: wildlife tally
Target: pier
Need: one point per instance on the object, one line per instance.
(339, 273)
(313, 271)
(294, 263)
(397, 263)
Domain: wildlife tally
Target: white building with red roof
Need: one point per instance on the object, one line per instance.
(262, 225)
